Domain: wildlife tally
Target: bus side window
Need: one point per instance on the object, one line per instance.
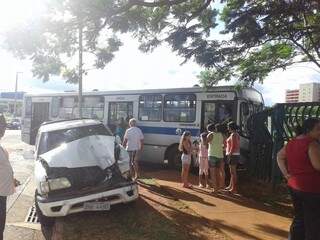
(93, 107)
(67, 105)
(150, 108)
(55, 105)
(180, 108)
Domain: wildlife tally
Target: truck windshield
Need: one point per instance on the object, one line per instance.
(51, 140)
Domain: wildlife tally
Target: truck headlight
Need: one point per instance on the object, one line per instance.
(54, 184)
(44, 187)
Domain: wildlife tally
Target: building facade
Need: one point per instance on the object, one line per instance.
(309, 92)
(292, 96)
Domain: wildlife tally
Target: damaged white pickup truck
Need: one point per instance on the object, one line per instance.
(79, 167)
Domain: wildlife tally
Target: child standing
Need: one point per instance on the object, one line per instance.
(203, 160)
(185, 147)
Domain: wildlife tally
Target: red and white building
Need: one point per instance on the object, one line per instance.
(292, 96)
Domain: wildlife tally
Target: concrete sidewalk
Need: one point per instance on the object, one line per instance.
(236, 216)
(20, 204)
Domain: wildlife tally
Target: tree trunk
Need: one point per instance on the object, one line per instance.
(80, 69)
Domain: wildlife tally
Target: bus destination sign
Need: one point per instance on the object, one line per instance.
(220, 96)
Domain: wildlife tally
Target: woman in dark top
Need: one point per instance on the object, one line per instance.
(299, 162)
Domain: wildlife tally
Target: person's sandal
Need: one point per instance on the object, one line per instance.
(214, 192)
(189, 186)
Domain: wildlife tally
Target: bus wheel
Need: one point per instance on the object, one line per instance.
(175, 158)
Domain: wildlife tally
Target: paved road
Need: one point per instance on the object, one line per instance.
(21, 158)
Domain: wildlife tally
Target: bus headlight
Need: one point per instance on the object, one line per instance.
(54, 184)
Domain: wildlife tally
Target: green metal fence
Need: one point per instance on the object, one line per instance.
(269, 131)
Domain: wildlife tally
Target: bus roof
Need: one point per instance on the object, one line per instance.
(146, 91)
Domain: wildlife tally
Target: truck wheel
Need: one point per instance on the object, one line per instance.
(175, 158)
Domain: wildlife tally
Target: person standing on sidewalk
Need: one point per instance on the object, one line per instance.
(215, 154)
(203, 160)
(299, 162)
(7, 181)
(185, 146)
(133, 142)
(233, 155)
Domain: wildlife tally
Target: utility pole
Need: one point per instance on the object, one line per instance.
(15, 94)
(80, 67)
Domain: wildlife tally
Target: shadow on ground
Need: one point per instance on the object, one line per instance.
(156, 215)
(249, 196)
(160, 215)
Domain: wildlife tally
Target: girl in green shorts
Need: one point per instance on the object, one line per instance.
(215, 154)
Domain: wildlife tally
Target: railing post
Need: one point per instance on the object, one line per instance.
(277, 120)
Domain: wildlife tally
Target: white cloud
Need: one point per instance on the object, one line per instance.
(132, 69)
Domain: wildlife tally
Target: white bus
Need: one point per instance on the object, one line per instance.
(162, 114)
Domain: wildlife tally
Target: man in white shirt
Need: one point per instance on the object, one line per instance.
(133, 142)
(7, 182)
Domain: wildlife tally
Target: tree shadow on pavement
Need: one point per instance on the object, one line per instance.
(274, 231)
(187, 196)
(172, 176)
(249, 203)
(122, 222)
(178, 194)
(156, 189)
(155, 215)
(197, 225)
(192, 221)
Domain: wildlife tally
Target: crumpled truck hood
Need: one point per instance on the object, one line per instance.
(89, 151)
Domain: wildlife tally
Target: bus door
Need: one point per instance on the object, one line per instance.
(214, 112)
(40, 114)
(208, 114)
(119, 113)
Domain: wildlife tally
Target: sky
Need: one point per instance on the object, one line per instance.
(131, 69)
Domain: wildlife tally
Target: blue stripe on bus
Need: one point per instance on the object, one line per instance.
(167, 130)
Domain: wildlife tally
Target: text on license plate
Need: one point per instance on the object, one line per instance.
(96, 206)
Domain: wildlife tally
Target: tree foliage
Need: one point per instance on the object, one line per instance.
(260, 35)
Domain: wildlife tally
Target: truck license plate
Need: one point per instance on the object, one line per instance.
(96, 206)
